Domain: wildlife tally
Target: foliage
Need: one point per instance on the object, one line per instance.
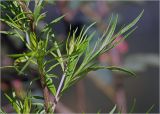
(42, 43)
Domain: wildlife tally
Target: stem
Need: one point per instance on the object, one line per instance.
(60, 85)
(58, 91)
(45, 93)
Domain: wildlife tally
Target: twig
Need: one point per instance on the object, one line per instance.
(45, 93)
(58, 91)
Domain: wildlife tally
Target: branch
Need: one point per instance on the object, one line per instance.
(58, 92)
(46, 94)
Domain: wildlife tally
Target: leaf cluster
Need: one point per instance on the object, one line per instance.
(79, 47)
(25, 105)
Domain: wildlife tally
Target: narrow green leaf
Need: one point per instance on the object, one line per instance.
(110, 34)
(52, 89)
(52, 67)
(6, 32)
(12, 25)
(111, 46)
(14, 104)
(114, 68)
(51, 76)
(37, 97)
(8, 97)
(149, 110)
(2, 6)
(7, 67)
(38, 104)
(59, 55)
(35, 79)
(19, 35)
(57, 19)
(53, 48)
(86, 30)
(133, 106)
(26, 107)
(126, 28)
(99, 112)
(106, 31)
(40, 17)
(22, 18)
(21, 60)
(113, 110)
(50, 85)
(20, 55)
(37, 10)
(51, 23)
(27, 63)
(132, 23)
(2, 111)
(47, 38)
(33, 40)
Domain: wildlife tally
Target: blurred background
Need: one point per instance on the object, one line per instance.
(100, 90)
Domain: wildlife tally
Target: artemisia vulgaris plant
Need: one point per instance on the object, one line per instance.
(79, 58)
